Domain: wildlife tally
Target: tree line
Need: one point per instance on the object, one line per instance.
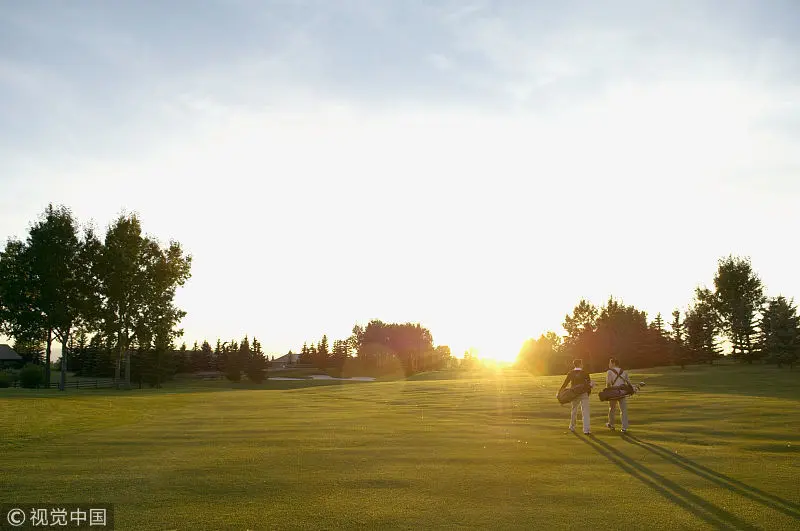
(64, 283)
(379, 348)
(736, 310)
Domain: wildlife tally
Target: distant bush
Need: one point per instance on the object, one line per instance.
(31, 377)
(234, 374)
(5, 380)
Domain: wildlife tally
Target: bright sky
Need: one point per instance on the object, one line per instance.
(476, 166)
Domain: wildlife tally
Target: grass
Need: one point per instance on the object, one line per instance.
(710, 448)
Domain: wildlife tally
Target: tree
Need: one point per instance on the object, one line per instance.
(305, 354)
(256, 364)
(55, 282)
(233, 361)
(443, 357)
(197, 358)
(138, 284)
(542, 356)
(678, 348)
(20, 317)
(31, 350)
(701, 327)
(322, 354)
(738, 296)
(658, 325)
(206, 360)
(580, 327)
(122, 284)
(184, 362)
(340, 352)
(779, 340)
(219, 357)
(406, 343)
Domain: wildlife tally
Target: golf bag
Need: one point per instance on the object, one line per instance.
(615, 392)
(569, 394)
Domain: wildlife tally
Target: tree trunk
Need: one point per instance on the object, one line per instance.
(117, 374)
(47, 358)
(127, 369)
(64, 349)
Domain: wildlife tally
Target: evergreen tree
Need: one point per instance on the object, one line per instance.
(219, 357)
(679, 356)
(257, 363)
(779, 340)
(738, 296)
(701, 327)
(233, 362)
(206, 358)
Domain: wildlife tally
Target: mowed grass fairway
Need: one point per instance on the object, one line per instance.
(711, 448)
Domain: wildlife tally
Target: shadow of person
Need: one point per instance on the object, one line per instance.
(694, 504)
(734, 485)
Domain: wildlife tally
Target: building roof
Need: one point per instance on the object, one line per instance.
(7, 354)
(285, 358)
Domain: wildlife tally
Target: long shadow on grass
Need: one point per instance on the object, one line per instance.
(734, 485)
(710, 513)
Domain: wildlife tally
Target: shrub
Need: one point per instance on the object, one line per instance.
(30, 377)
(256, 368)
(5, 380)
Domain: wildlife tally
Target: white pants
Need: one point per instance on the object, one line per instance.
(583, 402)
(612, 410)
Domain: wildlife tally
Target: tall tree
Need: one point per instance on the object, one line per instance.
(738, 296)
(123, 284)
(580, 327)
(20, 317)
(701, 327)
(138, 284)
(322, 353)
(57, 275)
(677, 340)
(779, 339)
(256, 363)
(206, 361)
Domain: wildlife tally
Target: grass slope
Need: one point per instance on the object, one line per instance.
(710, 448)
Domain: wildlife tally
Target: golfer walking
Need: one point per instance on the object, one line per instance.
(616, 377)
(578, 376)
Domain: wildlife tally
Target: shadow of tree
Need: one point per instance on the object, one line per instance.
(734, 485)
(703, 509)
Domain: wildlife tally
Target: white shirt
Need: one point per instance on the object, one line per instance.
(611, 376)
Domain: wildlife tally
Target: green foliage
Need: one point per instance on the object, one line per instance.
(408, 344)
(233, 362)
(543, 356)
(738, 296)
(138, 280)
(5, 379)
(701, 327)
(256, 369)
(31, 350)
(779, 339)
(31, 377)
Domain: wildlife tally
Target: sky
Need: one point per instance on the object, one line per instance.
(475, 166)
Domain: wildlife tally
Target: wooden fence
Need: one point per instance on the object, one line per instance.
(85, 383)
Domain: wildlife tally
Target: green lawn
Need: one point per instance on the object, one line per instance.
(710, 448)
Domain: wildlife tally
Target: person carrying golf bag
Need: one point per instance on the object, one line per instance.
(616, 377)
(581, 383)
